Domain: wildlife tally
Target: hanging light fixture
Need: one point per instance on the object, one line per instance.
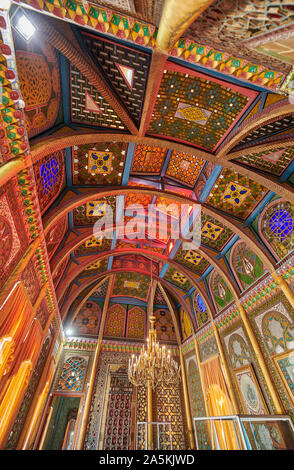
(154, 365)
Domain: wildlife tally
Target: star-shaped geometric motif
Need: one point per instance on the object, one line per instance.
(235, 194)
(211, 230)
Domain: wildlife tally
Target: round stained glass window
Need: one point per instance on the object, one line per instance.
(281, 223)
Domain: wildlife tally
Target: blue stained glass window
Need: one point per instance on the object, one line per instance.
(201, 304)
(49, 172)
(281, 223)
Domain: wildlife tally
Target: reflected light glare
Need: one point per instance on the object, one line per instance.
(25, 27)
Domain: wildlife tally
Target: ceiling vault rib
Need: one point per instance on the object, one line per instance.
(57, 143)
(76, 201)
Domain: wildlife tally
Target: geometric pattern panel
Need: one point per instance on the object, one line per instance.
(197, 402)
(126, 69)
(89, 213)
(200, 309)
(184, 168)
(278, 332)
(136, 323)
(13, 241)
(273, 161)
(191, 260)
(263, 133)
(148, 159)
(88, 106)
(233, 23)
(49, 177)
(38, 74)
(101, 163)
(178, 279)
(213, 233)
(132, 285)
(276, 227)
(168, 407)
(117, 431)
(194, 109)
(165, 330)
(235, 194)
(115, 321)
(87, 320)
(73, 375)
(107, 361)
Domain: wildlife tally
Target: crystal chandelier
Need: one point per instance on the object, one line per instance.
(154, 364)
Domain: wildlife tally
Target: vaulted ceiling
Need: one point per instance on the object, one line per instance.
(113, 120)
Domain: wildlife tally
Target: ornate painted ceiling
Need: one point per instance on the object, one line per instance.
(113, 122)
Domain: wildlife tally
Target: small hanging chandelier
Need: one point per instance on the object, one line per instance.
(154, 364)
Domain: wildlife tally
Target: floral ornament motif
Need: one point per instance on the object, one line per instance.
(278, 333)
(193, 257)
(96, 208)
(99, 162)
(246, 264)
(221, 293)
(94, 241)
(235, 194)
(178, 277)
(211, 230)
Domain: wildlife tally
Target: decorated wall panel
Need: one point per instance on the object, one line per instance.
(106, 359)
(273, 161)
(208, 348)
(164, 325)
(88, 318)
(276, 227)
(115, 321)
(192, 260)
(246, 265)
(117, 426)
(39, 80)
(186, 325)
(49, 176)
(197, 401)
(126, 285)
(14, 238)
(200, 309)
(213, 233)
(72, 372)
(222, 295)
(168, 406)
(136, 323)
(148, 159)
(273, 325)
